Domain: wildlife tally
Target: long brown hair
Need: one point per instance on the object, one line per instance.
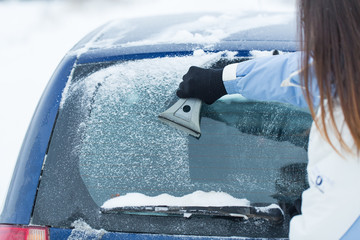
(330, 36)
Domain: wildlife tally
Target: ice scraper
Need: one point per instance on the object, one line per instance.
(184, 115)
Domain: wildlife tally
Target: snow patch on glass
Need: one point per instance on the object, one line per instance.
(267, 209)
(198, 198)
(124, 147)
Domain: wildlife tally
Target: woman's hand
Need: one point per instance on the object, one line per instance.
(204, 84)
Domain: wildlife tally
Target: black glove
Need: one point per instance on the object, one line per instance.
(204, 84)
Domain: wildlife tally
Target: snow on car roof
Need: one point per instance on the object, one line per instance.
(206, 30)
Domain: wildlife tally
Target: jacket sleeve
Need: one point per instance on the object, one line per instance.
(273, 78)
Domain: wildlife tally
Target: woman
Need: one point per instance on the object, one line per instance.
(327, 82)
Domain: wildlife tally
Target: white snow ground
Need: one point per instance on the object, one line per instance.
(35, 35)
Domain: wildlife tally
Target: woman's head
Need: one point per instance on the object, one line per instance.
(330, 34)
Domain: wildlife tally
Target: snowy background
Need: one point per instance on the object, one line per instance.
(35, 35)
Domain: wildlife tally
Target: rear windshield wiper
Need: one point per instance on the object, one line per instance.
(272, 213)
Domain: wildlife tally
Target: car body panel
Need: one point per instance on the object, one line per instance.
(25, 180)
(58, 233)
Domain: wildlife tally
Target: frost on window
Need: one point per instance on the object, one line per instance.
(247, 149)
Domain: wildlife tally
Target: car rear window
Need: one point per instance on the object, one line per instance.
(109, 142)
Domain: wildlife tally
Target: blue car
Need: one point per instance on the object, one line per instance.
(96, 162)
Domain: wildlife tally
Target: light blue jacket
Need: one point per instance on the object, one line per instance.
(272, 78)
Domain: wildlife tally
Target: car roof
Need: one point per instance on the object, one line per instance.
(121, 39)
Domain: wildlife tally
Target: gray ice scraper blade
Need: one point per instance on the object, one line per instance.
(184, 115)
